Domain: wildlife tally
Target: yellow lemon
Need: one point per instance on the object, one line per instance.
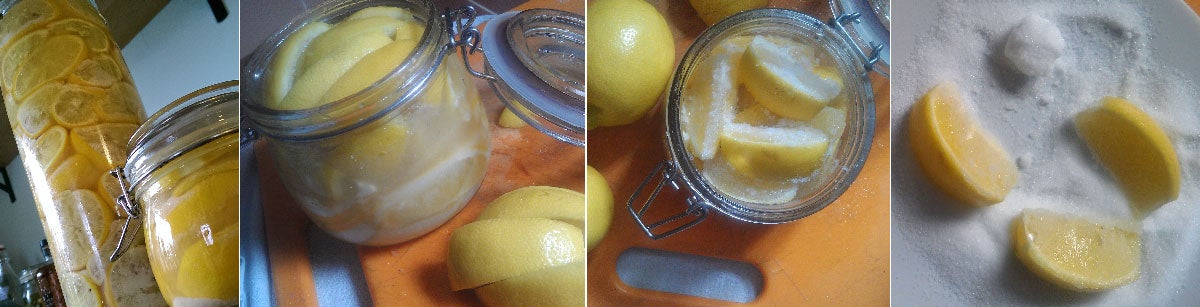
(314, 80)
(93, 36)
(1135, 149)
(599, 207)
(51, 60)
(209, 269)
(348, 33)
(508, 119)
(830, 120)
(99, 71)
(487, 251)
(538, 201)
(630, 56)
(76, 106)
(34, 114)
(372, 68)
(16, 52)
(773, 153)
(208, 206)
(733, 184)
(707, 106)
(956, 153)
(285, 63)
(103, 144)
(712, 11)
(782, 84)
(382, 11)
(50, 148)
(76, 172)
(122, 105)
(556, 286)
(1076, 253)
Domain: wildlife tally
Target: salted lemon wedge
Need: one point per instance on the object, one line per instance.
(773, 153)
(1076, 253)
(832, 121)
(372, 68)
(956, 153)
(286, 61)
(315, 79)
(733, 184)
(1135, 149)
(782, 84)
(488, 251)
(208, 268)
(708, 106)
(538, 201)
(556, 286)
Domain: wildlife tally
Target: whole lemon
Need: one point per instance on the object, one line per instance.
(630, 56)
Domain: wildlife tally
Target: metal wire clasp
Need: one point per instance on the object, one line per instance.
(694, 207)
(133, 215)
(876, 48)
(460, 26)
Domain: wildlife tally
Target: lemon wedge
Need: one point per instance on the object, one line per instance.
(773, 153)
(538, 201)
(508, 119)
(285, 63)
(1076, 253)
(76, 172)
(782, 84)
(1132, 146)
(382, 11)
(315, 79)
(202, 208)
(830, 120)
(733, 184)
(707, 106)
(956, 153)
(348, 33)
(488, 251)
(556, 286)
(209, 269)
(372, 68)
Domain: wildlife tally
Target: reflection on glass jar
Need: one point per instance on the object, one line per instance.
(183, 174)
(72, 107)
(383, 163)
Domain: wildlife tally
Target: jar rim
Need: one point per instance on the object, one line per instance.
(185, 124)
(855, 140)
(403, 84)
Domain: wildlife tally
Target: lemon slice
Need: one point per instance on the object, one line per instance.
(100, 71)
(102, 144)
(707, 106)
(538, 201)
(772, 153)
(285, 63)
(50, 148)
(733, 184)
(76, 172)
(34, 114)
(1135, 149)
(16, 53)
(488, 251)
(85, 223)
(556, 286)
(956, 153)
(78, 290)
(209, 269)
(122, 105)
(1076, 253)
(382, 11)
(372, 68)
(782, 84)
(315, 79)
(54, 59)
(131, 282)
(24, 15)
(206, 206)
(96, 39)
(76, 106)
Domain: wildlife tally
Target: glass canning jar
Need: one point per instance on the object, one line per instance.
(181, 180)
(390, 162)
(72, 107)
(684, 170)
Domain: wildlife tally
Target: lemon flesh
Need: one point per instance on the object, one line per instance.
(708, 105)
(284, 63)
(599, 207)
(538, 201)
(373, 67)
(778, 81)
(773, 153)
(1132, 146)
(1076, 253)
(487, 251)
(557, 286)
(955, 152)
(712, 11)
(508, 119)
(630, 56)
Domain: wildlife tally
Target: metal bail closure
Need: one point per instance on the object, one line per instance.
(460, 26)
(871, 59)
(694, 207)
(133, 212)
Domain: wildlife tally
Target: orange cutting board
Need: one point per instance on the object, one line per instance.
(836, 257)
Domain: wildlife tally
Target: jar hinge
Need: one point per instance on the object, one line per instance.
(876, 48)
(133, 215)
(460, 24)
(694, 206)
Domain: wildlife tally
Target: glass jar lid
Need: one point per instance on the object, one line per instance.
(535, 62)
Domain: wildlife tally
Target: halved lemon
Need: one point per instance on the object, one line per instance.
(1076, 253)
(957, 154)
(1133, 147)
(538, 201)
(782, 84)
(773, 153)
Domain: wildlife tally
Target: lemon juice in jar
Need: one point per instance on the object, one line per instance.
(72, 107)
(376, 130)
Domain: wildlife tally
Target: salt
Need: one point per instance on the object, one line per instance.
(1034, 45)
(960, 255)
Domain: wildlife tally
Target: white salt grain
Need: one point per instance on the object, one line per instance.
(1034, 45)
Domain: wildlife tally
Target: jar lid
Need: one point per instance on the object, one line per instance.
(537, 60)
(871, 28)
(182, 125)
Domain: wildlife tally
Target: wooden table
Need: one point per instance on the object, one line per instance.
(836, 257)
(414, 273)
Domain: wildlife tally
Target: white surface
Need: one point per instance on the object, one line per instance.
(947, 254)
(20, 227)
